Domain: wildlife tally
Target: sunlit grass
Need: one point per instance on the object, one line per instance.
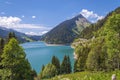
(88, 76)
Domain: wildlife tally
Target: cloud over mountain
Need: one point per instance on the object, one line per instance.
(91, 15)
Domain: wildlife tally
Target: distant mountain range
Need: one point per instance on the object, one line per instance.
(20, 36)
(67, 31)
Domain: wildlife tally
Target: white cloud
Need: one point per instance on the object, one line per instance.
(44, 32)
(100, 17)
(9, 21)
(91, 15)
(33, 17)
(31, 33)
(36, 33)
(15, 23)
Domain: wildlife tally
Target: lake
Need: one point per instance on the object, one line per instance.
(39, 53)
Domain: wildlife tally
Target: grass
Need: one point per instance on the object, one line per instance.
(88, 76)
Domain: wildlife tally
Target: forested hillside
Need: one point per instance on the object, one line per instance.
(101, 53)
(88, 32)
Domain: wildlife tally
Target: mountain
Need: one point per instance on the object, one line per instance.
(20, 36)
(67, 31)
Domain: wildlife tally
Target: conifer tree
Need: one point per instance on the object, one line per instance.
(10, 36)
(66, 65)
(43, 67)
(55, 61)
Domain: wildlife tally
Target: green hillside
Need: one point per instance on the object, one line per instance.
(88, 32)
(87, 76)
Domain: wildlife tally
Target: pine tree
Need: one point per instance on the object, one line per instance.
(2, 43)
(66, 65)
(55, 61)
(1, 51)
(43, 67)
(75, 66)
(16, 67)
(63, 65)
(10, 36)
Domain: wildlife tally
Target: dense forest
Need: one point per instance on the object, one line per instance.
(101, 50)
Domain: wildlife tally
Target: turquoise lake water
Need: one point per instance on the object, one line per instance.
(38, 53)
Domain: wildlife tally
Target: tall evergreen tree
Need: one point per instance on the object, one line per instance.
(66, 65)
(16, 67)
(1, 47)
(63, 65)
(1, 51)
(55, 61)
(10, 36)
(75, 66)
(2, 43)
(43, 67)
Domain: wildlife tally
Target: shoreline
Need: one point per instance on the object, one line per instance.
(47, 44)
(53, 44)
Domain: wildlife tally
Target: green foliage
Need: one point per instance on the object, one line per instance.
(55, 61)
(49, 71)
(105, 50)
(82, 54)
(99, 75)
(66, 65)
(96, 57)
(101, 53)
(14, 62)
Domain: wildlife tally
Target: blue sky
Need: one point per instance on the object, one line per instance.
(39, 16)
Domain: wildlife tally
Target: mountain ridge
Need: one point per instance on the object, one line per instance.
(22, 37)
(66, 31)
